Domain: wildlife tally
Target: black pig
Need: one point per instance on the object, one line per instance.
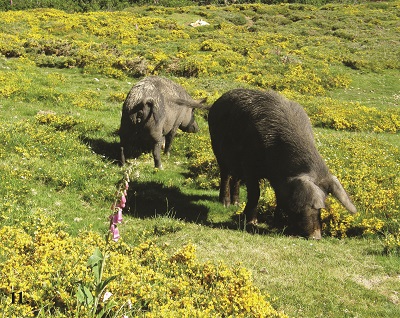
(151, 116)
(257, 135)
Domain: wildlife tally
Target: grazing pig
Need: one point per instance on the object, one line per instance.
(257, 135)
(151, 115)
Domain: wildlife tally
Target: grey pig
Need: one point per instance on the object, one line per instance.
(256, 135)
(151, 116)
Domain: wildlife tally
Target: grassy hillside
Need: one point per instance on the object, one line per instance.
(63, 79)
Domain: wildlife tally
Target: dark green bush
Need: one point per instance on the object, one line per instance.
(110, 5)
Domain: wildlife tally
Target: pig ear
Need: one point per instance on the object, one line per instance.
(318, 196)
(337, 190)
(149, 102)
(314, 195)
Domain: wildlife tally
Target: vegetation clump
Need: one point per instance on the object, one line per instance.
(44, 263)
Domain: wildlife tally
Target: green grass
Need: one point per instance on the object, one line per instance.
(59, 146)
(330, 278)
(372, 89)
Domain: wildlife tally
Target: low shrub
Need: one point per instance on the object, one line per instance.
(45, 264)
(351, 116)
(140, 42)
(391, 242)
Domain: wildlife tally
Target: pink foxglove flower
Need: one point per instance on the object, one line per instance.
(117, 217)
(122, 202)
(126, 185)
(115, 232)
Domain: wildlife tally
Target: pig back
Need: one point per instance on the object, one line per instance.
(261, 134)
(174, 113)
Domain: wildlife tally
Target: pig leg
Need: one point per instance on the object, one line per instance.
(157, 155)
(122, 156)
(168, 141)
(253, 194)
(234, 190)
(224, 189)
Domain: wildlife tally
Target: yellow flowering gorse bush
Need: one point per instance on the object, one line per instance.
(46, 264)
(255, 51)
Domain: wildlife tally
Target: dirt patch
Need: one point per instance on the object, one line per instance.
(388, 286)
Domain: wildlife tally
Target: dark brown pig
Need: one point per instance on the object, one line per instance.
(258, 135)
(151, 116)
